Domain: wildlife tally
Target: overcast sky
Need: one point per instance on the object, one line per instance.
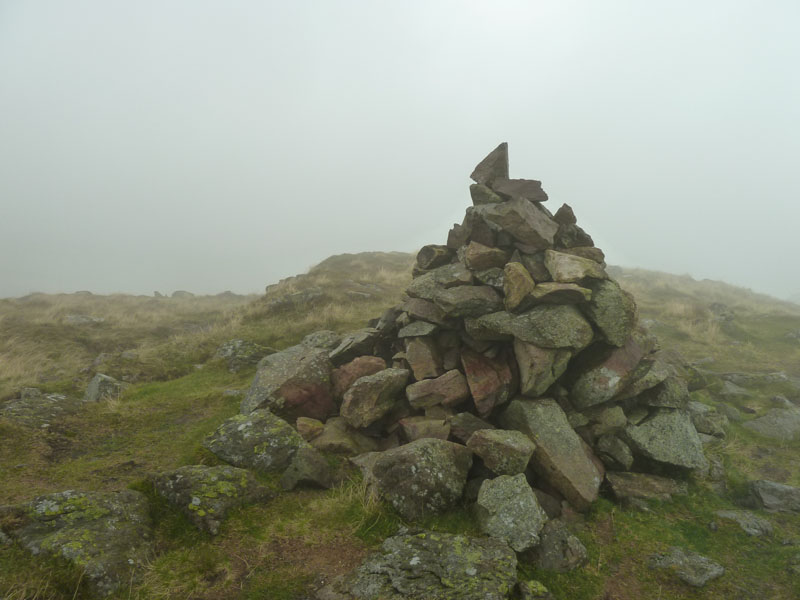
(188, 144)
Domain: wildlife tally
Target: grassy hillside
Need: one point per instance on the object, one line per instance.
(289, 546)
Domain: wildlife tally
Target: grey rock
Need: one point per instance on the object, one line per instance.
(559, 550)
(433, 256)
(309, 468)
(539, 368)
(710, 423)
(449, 389)
(774, 496)
(520, 189)
(206, 494)
(615, 454)
(428, 285)
(354, 344)
(483, 195)
(479, 257)
(423, 477)
(670, 393)
(495, 165)
(732, 391)
(504, 452)
(552, 327)
(492, 277)
(338, 437)
(560, 456)
(295, 382)
(373, 396)
(463, 425)
(259, 441)
(468, 301)
(690, 567)
(533, 590)
(750, 523)
(432, 566)
(107, 535)
(39, 411)
(417, 329)
(325, 339)
(507, 509)
(424, 358)
(781, 424)
(668, 437)
(523, 220)
(568, 268)
(103, 387)
(424, 310)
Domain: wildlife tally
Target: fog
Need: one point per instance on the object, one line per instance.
(209, 146)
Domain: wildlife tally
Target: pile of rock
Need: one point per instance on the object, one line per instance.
(513, 353)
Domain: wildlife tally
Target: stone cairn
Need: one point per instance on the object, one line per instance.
(514, 356)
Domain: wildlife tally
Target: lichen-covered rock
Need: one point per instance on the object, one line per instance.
(295, 382)
(774, 496)
(490, 380)
(106, 535)
(533, 590)
(641, 486)
(338, 437)
(615, 454)
(426, 286)
(309, 428)
(343, 377)
(507, 509)
(206, 494)
(468, 301)
(552, 326)
(373, 396)
(568, 268)
(308, 468)
(612, 310)
(560, 456)
(241, 353)
(39, 411)
(103, 387)
(690, 567)
(506, 452)
(449, 389)
(429, 565)
(260, 441)
(670, 393)
(325, 339)
(558, 549)
(424, 477)
(539, 368)
(668, 437)
(750, 523)
(523, 220)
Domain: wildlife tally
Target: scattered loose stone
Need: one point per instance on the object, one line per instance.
(107, 535)
(103, 387)
(774, 496)
(559, 550)
(507, 509)
(690, 567)
(207, 494)
(781, 424)
(504, 452)
(260, 441)
(750, 523)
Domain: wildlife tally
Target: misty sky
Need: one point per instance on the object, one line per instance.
(199, 145)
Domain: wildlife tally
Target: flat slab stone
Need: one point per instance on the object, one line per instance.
(40, 411)
(774, 496)
(107, 535)
(468, 301)
(260, 441)
(432, 566)
(206, 494)
(523, 220)
(568, 268)
(520, 189)
(560, 456)
(750, 523)
(449, 389)
(643, 486)
(426, 286)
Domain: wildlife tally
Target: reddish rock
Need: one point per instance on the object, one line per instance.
(423, 357)
(343, 377)
(490, 380)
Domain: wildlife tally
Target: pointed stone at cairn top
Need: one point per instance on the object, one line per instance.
(494, 166)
